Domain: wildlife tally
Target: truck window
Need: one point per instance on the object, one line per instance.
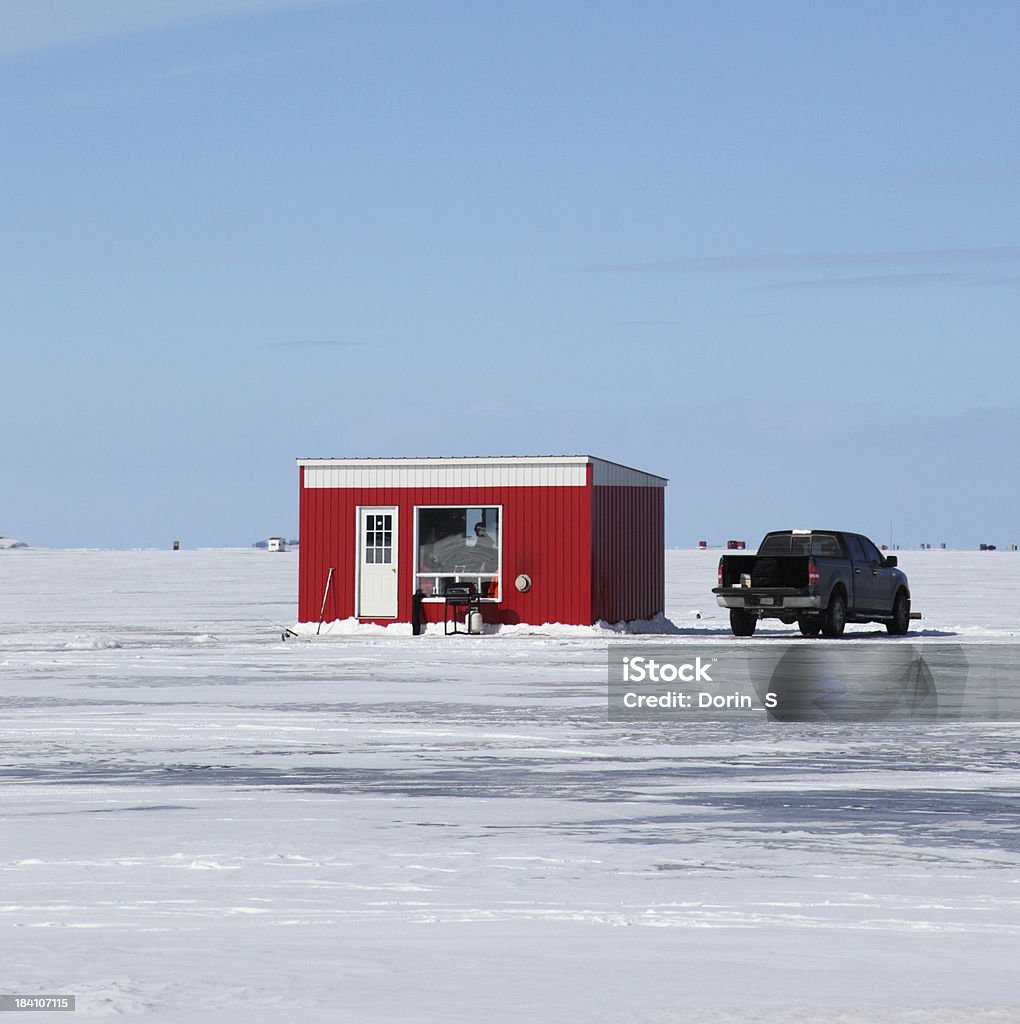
(856, 551)
(870, 551)
(775, 544)
(825, 545)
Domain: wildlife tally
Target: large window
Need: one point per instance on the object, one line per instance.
(458, 545)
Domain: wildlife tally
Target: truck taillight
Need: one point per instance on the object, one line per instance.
(720, 583)
(812, 573)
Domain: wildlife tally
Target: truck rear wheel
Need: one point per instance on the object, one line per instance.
(834, 617)
(742, 623)
(809, 626)
(900, 621)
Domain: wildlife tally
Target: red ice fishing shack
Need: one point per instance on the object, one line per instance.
(570, 539)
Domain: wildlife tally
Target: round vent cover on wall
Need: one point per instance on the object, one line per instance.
(523, 583)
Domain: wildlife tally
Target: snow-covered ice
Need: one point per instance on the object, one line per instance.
(204, 823)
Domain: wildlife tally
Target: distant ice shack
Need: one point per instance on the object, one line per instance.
(570, 539)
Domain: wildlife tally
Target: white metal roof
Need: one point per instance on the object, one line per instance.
(474, 471)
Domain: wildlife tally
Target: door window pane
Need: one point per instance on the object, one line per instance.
(378, 539)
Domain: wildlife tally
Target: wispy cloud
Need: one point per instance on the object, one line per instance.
(315, 344)
(157, 81)
(646, 323)
(893, 280)
(892, 259)
(227, 62)
(200, 259)
(985, 174)
(28, 26)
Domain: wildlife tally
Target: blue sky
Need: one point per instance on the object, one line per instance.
(767, 250)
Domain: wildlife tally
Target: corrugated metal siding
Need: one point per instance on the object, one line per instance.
(546, 534)
(611, 474)
(327, 540)
(424, 475)
(628, 553)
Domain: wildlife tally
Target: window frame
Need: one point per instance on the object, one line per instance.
(471, 577)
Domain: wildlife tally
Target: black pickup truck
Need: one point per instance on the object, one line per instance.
(820, 579)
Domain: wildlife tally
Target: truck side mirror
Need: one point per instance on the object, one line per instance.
(890, 561)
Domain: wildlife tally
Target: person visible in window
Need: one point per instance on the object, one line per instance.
(485, 548)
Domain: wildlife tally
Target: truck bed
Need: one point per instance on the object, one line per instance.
(764, 571)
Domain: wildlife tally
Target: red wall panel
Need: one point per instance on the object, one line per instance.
(546, 534)
(628, 553)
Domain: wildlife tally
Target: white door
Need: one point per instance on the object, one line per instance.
(377, 563)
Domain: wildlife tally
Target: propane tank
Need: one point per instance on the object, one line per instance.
(474, 621)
